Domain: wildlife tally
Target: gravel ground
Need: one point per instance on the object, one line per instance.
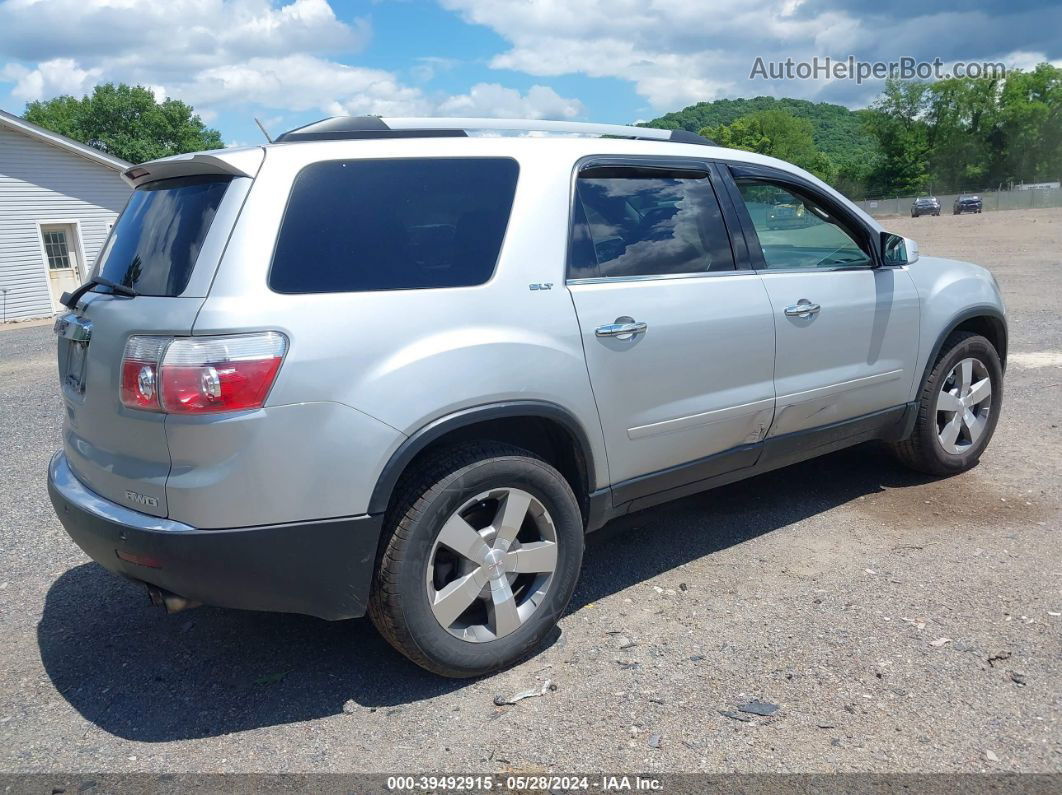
(825, 589)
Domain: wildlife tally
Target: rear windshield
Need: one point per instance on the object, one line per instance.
(363, 225)
(155, 243)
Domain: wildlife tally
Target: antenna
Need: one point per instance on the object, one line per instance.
(265, 132)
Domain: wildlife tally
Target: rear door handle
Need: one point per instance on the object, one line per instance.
(802, 308)
(624, 328)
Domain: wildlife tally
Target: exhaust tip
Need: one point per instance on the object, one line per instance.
(170, 602)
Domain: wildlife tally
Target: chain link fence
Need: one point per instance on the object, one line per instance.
(993, 200)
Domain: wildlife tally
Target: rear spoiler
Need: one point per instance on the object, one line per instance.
(242, 162)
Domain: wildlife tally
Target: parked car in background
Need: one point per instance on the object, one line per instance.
(925, 205)
(787, 214)
(382, 366)
(967, 204)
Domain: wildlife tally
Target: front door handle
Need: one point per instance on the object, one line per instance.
(802, 308)
(624, 328)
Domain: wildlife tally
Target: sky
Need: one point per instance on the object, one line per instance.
(289, 62)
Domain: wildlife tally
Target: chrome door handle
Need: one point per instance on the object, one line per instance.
(624, 328)
(802, 308)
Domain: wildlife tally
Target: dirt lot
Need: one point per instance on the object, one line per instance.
(825, 588)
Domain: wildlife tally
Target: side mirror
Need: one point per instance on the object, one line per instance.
(897, 250)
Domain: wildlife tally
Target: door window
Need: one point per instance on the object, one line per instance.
(795, 231)
(57, 249)
(646, 222)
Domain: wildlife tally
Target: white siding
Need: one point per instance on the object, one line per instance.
(41, 182)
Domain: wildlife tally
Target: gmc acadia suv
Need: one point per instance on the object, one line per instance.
(388, 367)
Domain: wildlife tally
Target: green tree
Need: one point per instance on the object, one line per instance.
(968, 133)
(954, 134)
(837, 131)
(1028, 126)
(127, 122)
(897, 119)
(961, 117)
(778, 134)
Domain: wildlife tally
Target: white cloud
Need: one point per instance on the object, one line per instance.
(676, 52)
(494, 100)
(427, 67)
(50, 78)
(300, 83)
(66, 46)
(1023, 59)
(223, 54)
(172, 34)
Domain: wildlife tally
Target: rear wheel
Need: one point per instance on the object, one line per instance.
(483, 557)
(957, 409)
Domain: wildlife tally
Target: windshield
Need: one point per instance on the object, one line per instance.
(154, 245)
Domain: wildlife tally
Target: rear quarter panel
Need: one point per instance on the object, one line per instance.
(401, 359)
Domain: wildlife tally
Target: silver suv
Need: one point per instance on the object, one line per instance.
(388, 367)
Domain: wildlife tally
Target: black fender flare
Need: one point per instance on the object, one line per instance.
(981, 310)
(418, 440)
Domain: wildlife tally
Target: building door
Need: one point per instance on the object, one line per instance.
(62, 252)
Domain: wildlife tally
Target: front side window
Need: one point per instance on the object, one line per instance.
(795, 231)
(366, 225)
(646, 222)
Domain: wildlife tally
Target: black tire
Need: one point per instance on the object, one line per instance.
(923, 450)
(399, 603)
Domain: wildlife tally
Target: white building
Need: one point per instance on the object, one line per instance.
(58, 200)
(1038, 186)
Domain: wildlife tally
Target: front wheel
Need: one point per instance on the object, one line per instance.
(484, 552)
(958, 408)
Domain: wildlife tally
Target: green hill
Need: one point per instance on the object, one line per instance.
(837, 130)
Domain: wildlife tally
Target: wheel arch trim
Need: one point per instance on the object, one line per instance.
(439, 427)
(982, 310)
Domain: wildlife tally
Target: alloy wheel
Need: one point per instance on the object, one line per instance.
(963, 406)
(491, 565)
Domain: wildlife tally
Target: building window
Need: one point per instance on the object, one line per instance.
(56, 248)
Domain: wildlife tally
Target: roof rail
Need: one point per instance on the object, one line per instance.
(361, 127)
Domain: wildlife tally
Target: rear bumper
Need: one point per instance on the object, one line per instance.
(321, 568)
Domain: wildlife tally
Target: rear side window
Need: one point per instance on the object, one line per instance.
(154, 245)
(646, 222)
(363, 225)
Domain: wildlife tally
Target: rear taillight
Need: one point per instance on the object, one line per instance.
(195, 375)
(140, 372)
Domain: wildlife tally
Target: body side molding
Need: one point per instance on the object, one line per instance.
(746, 461)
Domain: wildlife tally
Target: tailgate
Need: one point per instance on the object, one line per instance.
(118, 452)
(165, 247)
